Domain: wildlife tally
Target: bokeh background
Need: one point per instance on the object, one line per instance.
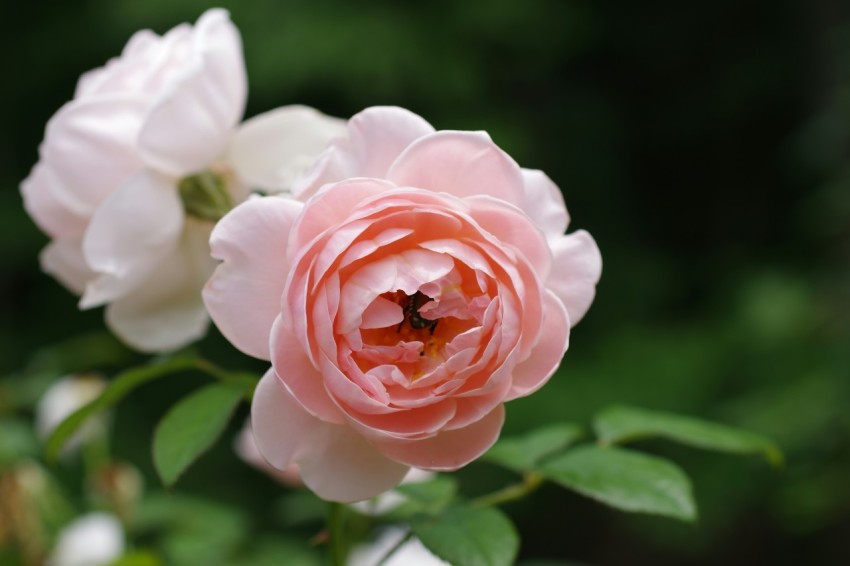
(705, 145)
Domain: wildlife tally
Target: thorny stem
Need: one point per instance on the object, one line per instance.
(530, 482)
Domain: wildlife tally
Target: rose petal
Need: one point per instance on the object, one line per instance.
(132, 231)
(63, 259)
(331, 208)
(243, 296)
(166, 312)
(459, 163)
(300, 375)
(376, 137)
(336, 463)
(544, 203)
(88, 151)
(576, 268)
(272, 150)
(448, 450)
(531, 374)
(190, 124)
(512, 227)
(43, 192)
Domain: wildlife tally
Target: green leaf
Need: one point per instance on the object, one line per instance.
(625, 480)
(467, 536)
(138, 558)
(192, 530)
(620, 424)
(192, 426)
(523, 453)
(129, 380)
(117, 389)
(17, 441)
(423, 497)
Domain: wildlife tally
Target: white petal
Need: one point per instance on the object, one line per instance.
(244, 294)
(95, 539)
(576, 268)
(44, 200)
(166, 311)
(131, 232)
(272, 150)
(63, 259)
(336, 463)
(190, 125)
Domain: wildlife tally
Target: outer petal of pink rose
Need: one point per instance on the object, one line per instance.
(243, 296)
(63, 259)
(544, 203)
(531, 374)
(333, 207)
(576, 268)
(336, 463)
(132, 231)
(512, 227)
(166, 311)
(189, 126)
(376, 137)
(300, 375)
(246, 447)
(270, 151)
(459, 163)
(448, 450)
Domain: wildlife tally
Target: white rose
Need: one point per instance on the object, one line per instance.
(135, 170)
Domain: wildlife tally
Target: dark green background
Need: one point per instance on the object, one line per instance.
(703, 144)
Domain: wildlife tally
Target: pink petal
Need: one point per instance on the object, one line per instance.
(190, 125)
(376, 137)
(379, 135)
(132, 231)
(274, 149)
(544, 203)
(512, 227)
(576, 268)
(459, 163)
(333, 207)
(448, 450)
(531, 374)
(300, 376)
(63, 259)
(166, 312)
(243, 296)
(336, 463)
(382, 313)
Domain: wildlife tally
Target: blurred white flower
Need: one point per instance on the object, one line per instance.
(135, 170)
(62, 399)
(95, 539)
(411, 553)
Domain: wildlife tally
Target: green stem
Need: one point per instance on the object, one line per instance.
(408, 535)
(336, 532)
(530, 482)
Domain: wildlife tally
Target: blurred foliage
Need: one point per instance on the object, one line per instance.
(705, 145)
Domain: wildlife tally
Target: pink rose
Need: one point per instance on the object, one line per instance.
(135, 169)
(422, 280)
